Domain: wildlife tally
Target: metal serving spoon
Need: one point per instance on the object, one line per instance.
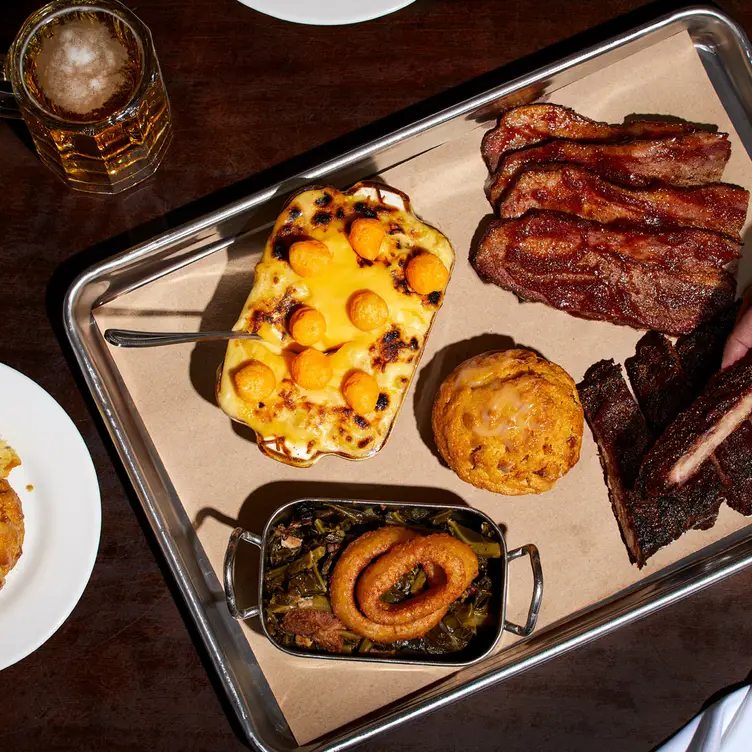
(131, 338)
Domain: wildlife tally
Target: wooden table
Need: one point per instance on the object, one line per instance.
(249, 92)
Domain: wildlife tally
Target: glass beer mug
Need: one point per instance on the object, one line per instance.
(86, 81)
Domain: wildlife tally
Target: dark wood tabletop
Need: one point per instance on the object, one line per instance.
(249, 92)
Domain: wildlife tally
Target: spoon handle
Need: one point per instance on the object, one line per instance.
(132, 338)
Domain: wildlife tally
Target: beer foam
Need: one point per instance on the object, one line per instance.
(81, 66)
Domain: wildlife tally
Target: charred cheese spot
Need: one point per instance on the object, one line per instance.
(365, 210)
(391, 348)
(297, 423)
(321, 218)
(272, 313)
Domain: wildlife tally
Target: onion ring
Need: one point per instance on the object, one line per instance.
(457, 560)
(356, 557)
(449, 564)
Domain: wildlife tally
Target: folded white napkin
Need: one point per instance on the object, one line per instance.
(726, 726)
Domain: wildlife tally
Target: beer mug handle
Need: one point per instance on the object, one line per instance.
(8, 104)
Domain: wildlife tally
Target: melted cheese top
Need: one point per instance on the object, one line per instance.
(297, 425)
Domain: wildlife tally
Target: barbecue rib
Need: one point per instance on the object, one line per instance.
(697, 432)
(701, 351)
(691, 159)
(530, 124)
(657, 380)
(669, 280)
(667, 378)
(646, 523)
(618, 425)
(622, 436)
(735, 461)
(578, 191)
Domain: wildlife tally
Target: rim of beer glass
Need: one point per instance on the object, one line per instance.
(45, 15)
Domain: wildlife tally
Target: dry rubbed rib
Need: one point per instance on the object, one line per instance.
(735, 461)
(657, 380)
(622, 436)
(700, 352)
(692, 438)
(692, 159)
(575, 190)
(667, 378)
(618, 425)
(646, 523)
(667, 280)
(660, 520)
(530, 124)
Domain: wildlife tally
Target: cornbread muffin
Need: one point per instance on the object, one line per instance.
(509, 422)
(11, 514)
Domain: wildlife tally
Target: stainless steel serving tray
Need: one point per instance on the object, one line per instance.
(727, 56)
(464, 514)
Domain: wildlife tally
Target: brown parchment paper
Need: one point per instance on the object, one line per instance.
(222, 479)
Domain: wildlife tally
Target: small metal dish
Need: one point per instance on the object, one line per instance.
(480, 646)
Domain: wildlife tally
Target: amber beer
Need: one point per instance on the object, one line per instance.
(87, 82)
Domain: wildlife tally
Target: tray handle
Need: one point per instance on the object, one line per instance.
(238, 534)
(535, 602)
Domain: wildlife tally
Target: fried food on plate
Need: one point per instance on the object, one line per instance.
(8, 459)
(11, 514)
(509, 422)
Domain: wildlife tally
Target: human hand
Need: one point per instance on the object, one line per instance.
(740, 339)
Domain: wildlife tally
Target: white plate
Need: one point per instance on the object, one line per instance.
(329, 13)
(62, 516)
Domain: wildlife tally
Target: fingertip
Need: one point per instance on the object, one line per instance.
(733, 351)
